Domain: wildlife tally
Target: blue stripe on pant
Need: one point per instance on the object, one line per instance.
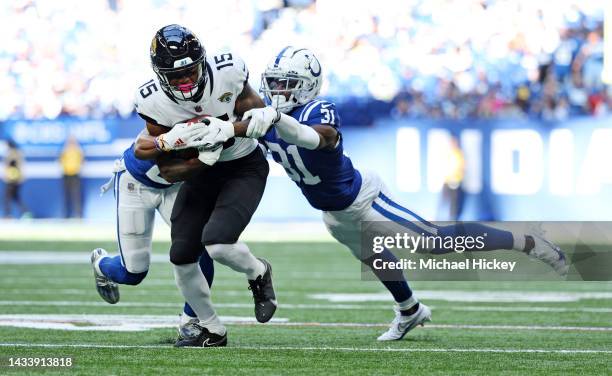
(117, 179)
(404, 222)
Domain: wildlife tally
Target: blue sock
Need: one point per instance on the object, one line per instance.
(393, 279)
(495, 239)
(208, 269)
(113, 268)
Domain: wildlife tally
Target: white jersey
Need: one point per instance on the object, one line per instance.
(227, 75)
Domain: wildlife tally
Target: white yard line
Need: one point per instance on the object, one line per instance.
(472, 296)
(105, 230)
(143, 322)
(314, 306)
(321, 348)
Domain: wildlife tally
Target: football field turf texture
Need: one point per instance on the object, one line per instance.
(327, 322)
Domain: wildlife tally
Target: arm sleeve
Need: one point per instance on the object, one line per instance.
(293, 132)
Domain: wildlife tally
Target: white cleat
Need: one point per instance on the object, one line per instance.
(550, 254)
(403, 324)
(108, 290)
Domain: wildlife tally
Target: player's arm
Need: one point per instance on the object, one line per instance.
(315, 137)
(246, 100)
(175, 169)
(156, 140)
(145, 147)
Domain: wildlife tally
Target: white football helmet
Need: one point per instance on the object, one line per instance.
(292, 78)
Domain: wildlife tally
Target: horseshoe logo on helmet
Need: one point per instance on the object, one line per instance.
(315, 74)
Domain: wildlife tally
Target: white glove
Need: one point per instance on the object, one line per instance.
(219, 131)
(261, 120)
(182, 136)
(210, 157)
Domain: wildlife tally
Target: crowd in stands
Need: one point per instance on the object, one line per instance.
(411, 58)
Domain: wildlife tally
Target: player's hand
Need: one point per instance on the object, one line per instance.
(182, 136)
(261, 120)
(219, 131)
(210, 157)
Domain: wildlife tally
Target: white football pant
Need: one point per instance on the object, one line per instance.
(136, 205)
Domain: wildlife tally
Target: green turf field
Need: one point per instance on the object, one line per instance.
(327, 322)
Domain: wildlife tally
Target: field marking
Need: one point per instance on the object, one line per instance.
(321, 348)
(59, 257)
(112, 323)
(480, 296)
(314, 306)
(108, 322)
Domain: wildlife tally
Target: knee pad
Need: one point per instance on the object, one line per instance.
(218, 251)
(185, 252)
(219, 233)
(137, 260)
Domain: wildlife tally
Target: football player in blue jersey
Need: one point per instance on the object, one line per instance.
(303, 134)
(139, 191)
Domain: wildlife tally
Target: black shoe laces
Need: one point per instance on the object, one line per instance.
(257, 290)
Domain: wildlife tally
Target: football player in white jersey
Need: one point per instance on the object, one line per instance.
(222, 187)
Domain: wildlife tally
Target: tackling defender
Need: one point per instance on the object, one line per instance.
(306, 140)
(214, 204)
(139, 191)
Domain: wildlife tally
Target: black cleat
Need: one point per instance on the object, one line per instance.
(194, 335)
(263, 294)
(108, 290)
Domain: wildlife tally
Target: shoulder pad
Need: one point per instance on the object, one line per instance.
(149, 103)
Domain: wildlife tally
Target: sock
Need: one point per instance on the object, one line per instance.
(393, 279)
(192, 284)
(113, 269)
(495, 239)
(208, 269)
(238, 257)
(409, 306)
(529, 244)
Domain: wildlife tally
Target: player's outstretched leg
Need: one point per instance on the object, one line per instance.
(108, 290)
(533, 244)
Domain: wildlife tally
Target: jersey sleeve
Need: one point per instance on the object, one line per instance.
(239, 74)
(320, 112)
(144, 104)
(230, 69)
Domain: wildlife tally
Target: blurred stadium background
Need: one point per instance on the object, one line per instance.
(520, 84)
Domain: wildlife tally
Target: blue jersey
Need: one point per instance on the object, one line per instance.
(327, 178)
(145, 171)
